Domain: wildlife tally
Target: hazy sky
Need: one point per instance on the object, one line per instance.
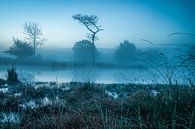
(131, 20)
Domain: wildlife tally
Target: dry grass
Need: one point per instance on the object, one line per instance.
(88, 106)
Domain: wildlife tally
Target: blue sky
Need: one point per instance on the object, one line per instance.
(131, 20)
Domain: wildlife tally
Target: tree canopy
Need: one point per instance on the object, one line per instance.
(20, 49)
(90, 22)
(82, 51)
(125, 52)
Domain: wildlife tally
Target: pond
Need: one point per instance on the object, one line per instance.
(83, 74)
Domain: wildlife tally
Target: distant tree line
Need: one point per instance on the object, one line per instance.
(124, 54)
(85, 50)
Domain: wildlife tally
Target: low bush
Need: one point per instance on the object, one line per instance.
(12, 76)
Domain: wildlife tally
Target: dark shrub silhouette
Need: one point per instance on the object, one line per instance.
(82, 51)
(20, 49)
(125, 52)
(12, 76)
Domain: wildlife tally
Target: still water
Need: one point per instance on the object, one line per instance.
(98, 75)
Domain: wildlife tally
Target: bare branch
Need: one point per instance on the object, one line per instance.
(89, 21)
(33, 35)
(180, 33)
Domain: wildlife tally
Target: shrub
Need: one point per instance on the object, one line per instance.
(12, 76)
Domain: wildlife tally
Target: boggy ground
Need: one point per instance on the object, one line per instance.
(96, 106)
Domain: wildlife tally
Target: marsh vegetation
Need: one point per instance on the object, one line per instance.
(84, 86)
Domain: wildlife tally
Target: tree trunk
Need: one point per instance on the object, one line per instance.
(34, 47)
(93, 48)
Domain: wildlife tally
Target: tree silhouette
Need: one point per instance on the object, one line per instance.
(125, 52)
(33, 35)
(90, 22)
(82, 51)
(20, 49)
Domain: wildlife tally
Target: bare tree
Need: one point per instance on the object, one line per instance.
(90, 22)
(33, 35)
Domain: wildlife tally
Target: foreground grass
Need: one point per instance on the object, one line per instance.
(93, 106)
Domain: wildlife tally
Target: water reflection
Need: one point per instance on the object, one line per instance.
(86, 74)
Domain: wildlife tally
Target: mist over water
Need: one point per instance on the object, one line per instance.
(137, 75)
(97, 64)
